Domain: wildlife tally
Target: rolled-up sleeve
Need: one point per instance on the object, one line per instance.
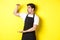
(23, 15)
(36, 20)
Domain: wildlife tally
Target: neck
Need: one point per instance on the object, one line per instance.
(32, 13)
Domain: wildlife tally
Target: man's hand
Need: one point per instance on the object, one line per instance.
(21, 31)
(18, 6)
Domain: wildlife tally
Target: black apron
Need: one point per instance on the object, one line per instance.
(27, 25)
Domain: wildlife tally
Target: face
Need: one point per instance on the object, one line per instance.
(29, 9)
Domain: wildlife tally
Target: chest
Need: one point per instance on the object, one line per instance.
(29, 19)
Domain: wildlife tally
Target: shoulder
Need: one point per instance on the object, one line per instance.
(36, 16)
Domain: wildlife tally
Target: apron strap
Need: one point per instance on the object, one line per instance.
(33, 15)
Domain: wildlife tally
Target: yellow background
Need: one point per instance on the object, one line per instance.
(47, 10)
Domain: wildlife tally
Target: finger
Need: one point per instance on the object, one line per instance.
(17, 4)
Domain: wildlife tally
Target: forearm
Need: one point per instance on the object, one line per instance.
(16, 11)
(29, 30)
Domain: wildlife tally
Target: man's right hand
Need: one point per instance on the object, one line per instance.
(18, 5)
(16, 11)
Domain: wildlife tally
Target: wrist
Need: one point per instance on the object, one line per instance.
(24, 31)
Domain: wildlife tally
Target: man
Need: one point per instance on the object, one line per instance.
(31, 20)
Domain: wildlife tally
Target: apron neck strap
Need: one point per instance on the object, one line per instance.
(33, 15)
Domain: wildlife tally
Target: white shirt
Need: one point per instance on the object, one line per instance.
(36, 18)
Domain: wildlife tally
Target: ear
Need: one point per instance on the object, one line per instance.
(33, 9)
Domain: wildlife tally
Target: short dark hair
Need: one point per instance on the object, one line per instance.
(32, 5)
